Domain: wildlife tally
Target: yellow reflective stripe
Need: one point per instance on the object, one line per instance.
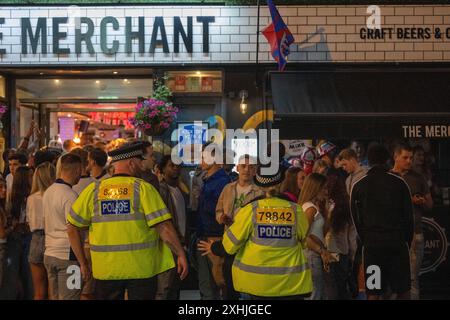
(232, 238)
(270, 270)
(124, 247)
(156, 214)
(118, 217)
(78, 219)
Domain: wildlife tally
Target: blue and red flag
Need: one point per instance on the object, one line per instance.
(278, 36)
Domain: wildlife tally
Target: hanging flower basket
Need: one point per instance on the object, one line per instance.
(155, 131)
(154, 116)
(3, 109)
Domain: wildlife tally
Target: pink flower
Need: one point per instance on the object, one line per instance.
(153, 114)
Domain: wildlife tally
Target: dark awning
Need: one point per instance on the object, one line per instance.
(363, 104)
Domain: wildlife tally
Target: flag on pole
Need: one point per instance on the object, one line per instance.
(278, 36)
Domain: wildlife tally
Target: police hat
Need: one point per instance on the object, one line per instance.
(127, 151)
(265, 181)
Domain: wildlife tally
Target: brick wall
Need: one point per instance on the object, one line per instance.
(322, 34)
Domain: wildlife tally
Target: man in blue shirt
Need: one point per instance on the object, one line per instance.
(210, 276)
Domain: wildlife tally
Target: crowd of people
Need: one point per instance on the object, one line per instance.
(308, 231)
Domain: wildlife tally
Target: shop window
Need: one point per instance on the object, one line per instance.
(195, 81)
(76, 112)
(86, 88)
(26, 114)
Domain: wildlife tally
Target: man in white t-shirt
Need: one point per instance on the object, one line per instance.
(97, 159)
(349, 162)
(59, 261)
(239, 193)
(234, 196)
(85, 178)
(88, 290)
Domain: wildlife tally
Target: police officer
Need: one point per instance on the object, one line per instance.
(268, 237)
(127, 219)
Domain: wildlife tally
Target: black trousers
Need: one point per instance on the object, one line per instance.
(229, 292)
(138, 289)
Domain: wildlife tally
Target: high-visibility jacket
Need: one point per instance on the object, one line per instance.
(120, 213)
(268, 236)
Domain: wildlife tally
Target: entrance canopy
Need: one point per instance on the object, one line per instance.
(363, 104)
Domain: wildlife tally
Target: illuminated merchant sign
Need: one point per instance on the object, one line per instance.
(426, 131)
(85, 30)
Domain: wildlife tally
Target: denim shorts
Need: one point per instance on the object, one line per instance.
(37, 247)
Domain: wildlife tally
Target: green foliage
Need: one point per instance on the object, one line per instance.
(161, 90)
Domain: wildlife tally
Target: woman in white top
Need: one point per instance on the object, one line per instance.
(314, 201)
(43, 177)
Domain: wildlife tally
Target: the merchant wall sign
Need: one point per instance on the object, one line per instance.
(37, 36)
(426, 131)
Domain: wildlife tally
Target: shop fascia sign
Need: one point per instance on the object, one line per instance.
(375, 31)
(426, 131)
(37, 35)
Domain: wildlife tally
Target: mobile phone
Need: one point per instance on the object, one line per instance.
(335, 255)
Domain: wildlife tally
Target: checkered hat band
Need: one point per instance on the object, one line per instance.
(268, 180)
(127, 155)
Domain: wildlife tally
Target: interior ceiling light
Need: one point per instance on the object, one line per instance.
(97, 81)
(115, 72)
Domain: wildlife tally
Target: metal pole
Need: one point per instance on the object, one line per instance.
(257, 46)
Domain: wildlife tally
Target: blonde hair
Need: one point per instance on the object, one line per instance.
(319, 164)
(114, 144)
(313, 185)
(272, 191)
(290, 181)
(58, 168)
(44, 176)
